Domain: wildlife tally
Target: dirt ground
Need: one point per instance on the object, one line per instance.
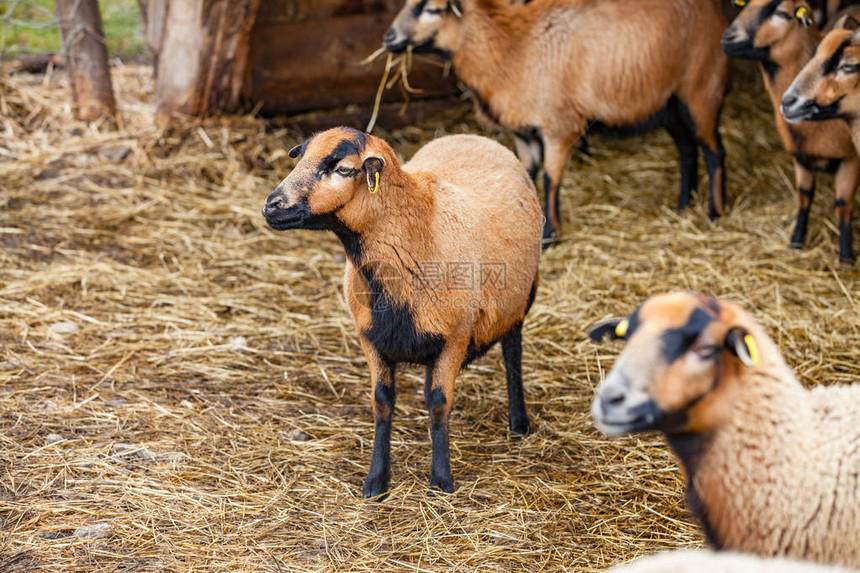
(182, 389)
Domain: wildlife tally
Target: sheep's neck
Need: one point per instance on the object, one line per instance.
(392, 232)
(484, 57)
(728, 488)
(778, 77)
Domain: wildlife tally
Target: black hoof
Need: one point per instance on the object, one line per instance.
(521, 427)
(442, 484)
(847, 260)
(376, 488)
(548, 242)
(796, 245)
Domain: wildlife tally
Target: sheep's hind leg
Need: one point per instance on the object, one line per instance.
(530, 153)
(804, 180)
(556, 153)
(438, 397)
(846, 186)
(382, 380)
(679, 129)
(512, 352)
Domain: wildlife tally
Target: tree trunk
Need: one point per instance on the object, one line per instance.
(87, 59)
(201, 53)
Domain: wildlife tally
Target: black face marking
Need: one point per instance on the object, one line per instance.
(344, 148)
(677, 341)
(419, 8)
(767, 11)
(832, 63)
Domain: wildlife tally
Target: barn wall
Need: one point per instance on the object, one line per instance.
(305, 56)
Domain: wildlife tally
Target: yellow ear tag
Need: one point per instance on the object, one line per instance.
(375, 188)
(752, 348)
(621, 328)
(740, 3)
(800, 13)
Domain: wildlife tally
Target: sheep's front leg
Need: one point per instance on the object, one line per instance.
(383, 395)
(438, 397)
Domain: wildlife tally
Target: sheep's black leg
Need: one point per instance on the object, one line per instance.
(846, 186)
(438, 397)
(512, 352)
(804, 180)
(382, 377)
(715, 157)
(688, 155)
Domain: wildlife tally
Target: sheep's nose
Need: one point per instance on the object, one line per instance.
(730, 36)
(273, 206)
(389, 37)
(611, 398)
(788, 100)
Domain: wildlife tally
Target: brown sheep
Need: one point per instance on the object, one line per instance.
(550, 70)
(442, 263)
(772, 468)
(828, 88)
(781, 34)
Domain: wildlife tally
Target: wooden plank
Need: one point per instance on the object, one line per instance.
(310, 65)
(281, 11)
(205, 56)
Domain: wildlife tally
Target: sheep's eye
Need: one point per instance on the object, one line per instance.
(783, 14)
(849, 68)
(344, 171)
(707, 351)
(433, 11)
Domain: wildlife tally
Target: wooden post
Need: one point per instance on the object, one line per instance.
(87, 59)
(201, 48)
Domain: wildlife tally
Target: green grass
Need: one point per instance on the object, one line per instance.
(31, 27)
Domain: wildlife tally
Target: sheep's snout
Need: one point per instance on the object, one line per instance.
(395, 41)
(619, 408)
(795, 108)
(281, 216)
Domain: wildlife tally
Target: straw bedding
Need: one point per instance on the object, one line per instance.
(181, 388)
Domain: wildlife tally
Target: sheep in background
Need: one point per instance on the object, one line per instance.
(550, 70)
(782, 35)
(828, 87)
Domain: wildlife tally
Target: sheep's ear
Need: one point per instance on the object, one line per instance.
(299, 149)
(456, 7)
(803, 15)
(373, 167)
(615, 327)
(741, 344)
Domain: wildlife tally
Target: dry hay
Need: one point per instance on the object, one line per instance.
(133, 261)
